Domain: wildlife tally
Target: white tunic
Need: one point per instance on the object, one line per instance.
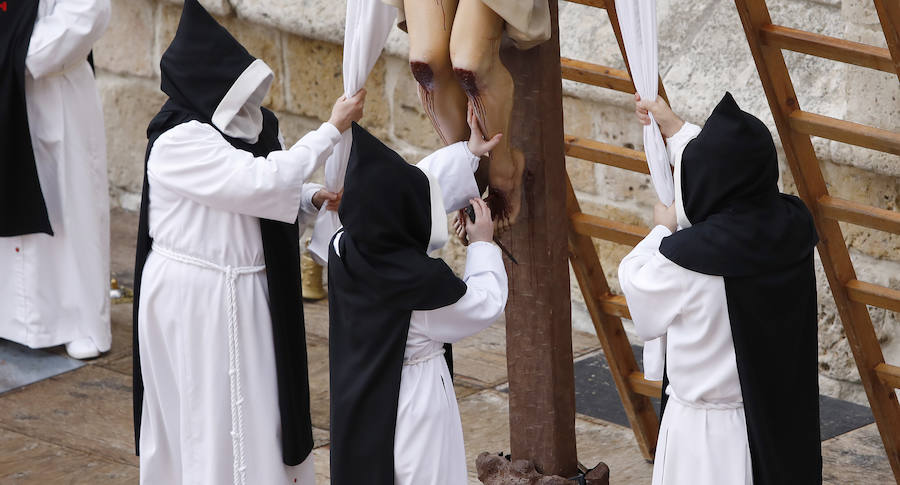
(428, 439)
(703, 435)
(55, 289)
(206, 198)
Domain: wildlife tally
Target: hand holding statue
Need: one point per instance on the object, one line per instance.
(333, 200)
(347, 110)
(477, 144)
(482, 229)
(665, 216)
(669, 123)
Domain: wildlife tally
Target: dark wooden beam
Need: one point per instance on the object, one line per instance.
(538, 315)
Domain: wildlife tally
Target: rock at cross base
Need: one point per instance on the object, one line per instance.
(598, 476)
(494, 469)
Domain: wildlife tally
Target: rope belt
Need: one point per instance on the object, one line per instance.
(714, 406)
(426, 358)
(234, 355)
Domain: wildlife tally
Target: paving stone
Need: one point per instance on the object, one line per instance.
(854, 455)
(316, 318)
(485, 420)
(317, 356)
(614, 445)
(88, 409)
(25, 460)
(119, 356)
(20, 365)
(481, 360)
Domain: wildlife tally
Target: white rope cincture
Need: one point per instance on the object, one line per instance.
(426, 358)
(234, 354)
(705, 405)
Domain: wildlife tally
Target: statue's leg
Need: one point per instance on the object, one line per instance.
(475, 54)
(429, 23)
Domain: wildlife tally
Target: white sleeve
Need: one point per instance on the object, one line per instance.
(453, 167)
(481, 305)
(66, 36)
(654, 286)
(308, 211)
(675, 144)
(194, 161)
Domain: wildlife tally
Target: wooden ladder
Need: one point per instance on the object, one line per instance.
(607, 309)
(795, 127)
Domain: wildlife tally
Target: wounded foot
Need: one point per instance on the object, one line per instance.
(505, 195)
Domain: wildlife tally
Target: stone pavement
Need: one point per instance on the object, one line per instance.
(76, 427)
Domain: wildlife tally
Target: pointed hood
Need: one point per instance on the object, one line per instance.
(737, 222)
(205, 69)
(411, 214)
(733, 159)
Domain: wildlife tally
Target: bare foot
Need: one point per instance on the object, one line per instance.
(505, 193)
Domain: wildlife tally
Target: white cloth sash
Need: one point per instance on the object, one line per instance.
(705, 405)
(234, 355)
(426, 358)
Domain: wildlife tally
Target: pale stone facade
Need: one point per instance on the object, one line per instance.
(703, 52)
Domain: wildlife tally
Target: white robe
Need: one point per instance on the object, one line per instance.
(703, 434)
(55, 289)
(428, 439)
(206, 198)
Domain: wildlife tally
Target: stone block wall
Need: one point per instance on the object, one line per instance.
(703, 53)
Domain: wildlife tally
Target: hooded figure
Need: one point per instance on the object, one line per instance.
(221, 392)
(734, 292)
(54, 199)
(394, 417)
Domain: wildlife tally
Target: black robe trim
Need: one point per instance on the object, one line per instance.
(761, 241)
(24, 210)
(281, 245)
(382, 275)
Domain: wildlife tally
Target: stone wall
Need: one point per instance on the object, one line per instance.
(703, 52)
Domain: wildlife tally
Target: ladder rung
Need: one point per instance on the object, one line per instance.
(846, 131)
(607, 154)
(601, 228)
(889, 374)
(590, 3)
(596, 75)
(828, 47)
(643, 386)
(860, 214)
(875, 295)
(614, 305)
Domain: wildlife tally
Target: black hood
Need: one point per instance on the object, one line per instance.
(386, 201)
(203, 61)
(740, 224)
(733, 160)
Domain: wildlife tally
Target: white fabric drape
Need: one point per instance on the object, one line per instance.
(637, 21)
(368, 24)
